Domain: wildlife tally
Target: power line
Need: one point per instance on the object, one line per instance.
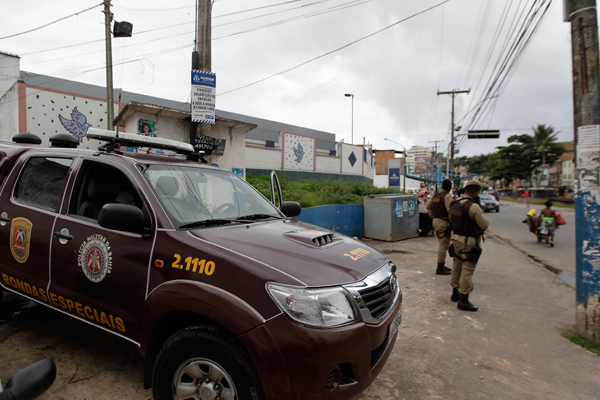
(336, 50)
(51, 23)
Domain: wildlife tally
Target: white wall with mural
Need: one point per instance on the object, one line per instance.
(299, 152)
(352, 158)
(51, 112)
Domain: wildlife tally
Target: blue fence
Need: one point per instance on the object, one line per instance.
(343, 218)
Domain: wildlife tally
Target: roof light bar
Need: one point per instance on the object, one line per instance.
(135, 140)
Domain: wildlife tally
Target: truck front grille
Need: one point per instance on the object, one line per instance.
(379, 298)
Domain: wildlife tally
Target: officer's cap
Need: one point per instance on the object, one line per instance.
(473, 182)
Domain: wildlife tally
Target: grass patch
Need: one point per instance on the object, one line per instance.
(311, 192)
(583, 342)
(539, 202)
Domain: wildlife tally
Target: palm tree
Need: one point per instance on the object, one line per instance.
(543, 138)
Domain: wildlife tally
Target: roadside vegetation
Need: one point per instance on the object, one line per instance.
(583, 342)
(311, 192)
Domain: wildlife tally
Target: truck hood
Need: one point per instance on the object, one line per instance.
(312, 255)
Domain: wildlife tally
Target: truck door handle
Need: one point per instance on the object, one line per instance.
(63, 236)
(4, 219)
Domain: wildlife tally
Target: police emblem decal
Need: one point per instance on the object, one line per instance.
(95, 258)
(20, 236)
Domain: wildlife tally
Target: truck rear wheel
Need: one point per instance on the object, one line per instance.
(202, 362)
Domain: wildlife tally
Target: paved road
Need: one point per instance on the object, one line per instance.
(507, 224)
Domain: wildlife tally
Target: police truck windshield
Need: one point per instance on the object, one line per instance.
(191, 196)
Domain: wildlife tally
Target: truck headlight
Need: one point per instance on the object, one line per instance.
(321, 308)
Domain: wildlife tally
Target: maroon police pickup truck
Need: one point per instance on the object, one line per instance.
(226, 296)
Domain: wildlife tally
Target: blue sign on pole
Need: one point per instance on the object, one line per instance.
(394, 177)
(204, 93)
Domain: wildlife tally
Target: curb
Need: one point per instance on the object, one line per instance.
(566, 277)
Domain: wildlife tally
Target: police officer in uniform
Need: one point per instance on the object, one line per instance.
(438, 211)
(468, 223)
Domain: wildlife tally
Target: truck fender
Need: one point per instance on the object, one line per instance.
(202, 299)
(193, 301)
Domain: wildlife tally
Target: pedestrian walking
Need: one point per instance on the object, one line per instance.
(526, 198)
(468, 223)
(547, 223)
(438, 211)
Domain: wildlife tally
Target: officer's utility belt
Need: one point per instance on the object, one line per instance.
(470, 256)
(447, 233)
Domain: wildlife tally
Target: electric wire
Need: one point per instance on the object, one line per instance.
(335, 50)
(50, 23)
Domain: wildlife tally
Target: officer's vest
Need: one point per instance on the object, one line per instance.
(460, 220)
(438, 205)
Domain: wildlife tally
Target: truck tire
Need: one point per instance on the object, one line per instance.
(203, 362)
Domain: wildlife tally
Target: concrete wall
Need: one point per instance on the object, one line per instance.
(328, 164)
(343, 218)
(263, 158)
(9, 113)
(9, 72)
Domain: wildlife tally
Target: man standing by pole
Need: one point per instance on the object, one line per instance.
(468, 223)
(438, 211)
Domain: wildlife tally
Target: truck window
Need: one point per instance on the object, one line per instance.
(41, 181)
(191, 194)
(99, 184)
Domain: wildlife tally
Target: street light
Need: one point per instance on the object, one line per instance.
(352, 128)
(403, 163)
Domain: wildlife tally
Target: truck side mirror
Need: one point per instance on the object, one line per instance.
(31, 381)
(290, 208)
(122, 217)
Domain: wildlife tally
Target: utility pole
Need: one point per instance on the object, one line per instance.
(586, 103)
(435, 152)
(201, 56)
(453, 93)
(110, 108)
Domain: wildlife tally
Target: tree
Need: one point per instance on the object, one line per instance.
(541, 148)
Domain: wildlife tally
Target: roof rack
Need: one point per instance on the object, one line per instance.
(116, 139)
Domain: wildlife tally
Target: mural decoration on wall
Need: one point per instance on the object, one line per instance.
(298, 152)
(77, 125)
(352, 159)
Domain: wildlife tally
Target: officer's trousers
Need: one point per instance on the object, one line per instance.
(462, 271)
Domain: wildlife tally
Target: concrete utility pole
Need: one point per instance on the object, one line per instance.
(586, 109)
(110, 108)
(453, 93)
(435, 164)
(201, 57)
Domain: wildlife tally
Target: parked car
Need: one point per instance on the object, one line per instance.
(225, 295)
(489, 203)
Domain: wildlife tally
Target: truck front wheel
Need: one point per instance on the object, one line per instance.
(202, 362)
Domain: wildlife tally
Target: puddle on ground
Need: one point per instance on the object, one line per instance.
(567, 277)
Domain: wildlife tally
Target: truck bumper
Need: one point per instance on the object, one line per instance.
(301, 363)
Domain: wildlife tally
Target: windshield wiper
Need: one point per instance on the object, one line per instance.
(205, 223)
(259, 216)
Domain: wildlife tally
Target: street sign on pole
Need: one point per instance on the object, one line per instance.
(204, 87)
(484, 134)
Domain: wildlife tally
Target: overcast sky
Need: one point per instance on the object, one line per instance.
(395, 74)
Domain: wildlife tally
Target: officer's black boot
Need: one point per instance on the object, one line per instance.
(455, 295)
(465, 304)
(443, 270)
